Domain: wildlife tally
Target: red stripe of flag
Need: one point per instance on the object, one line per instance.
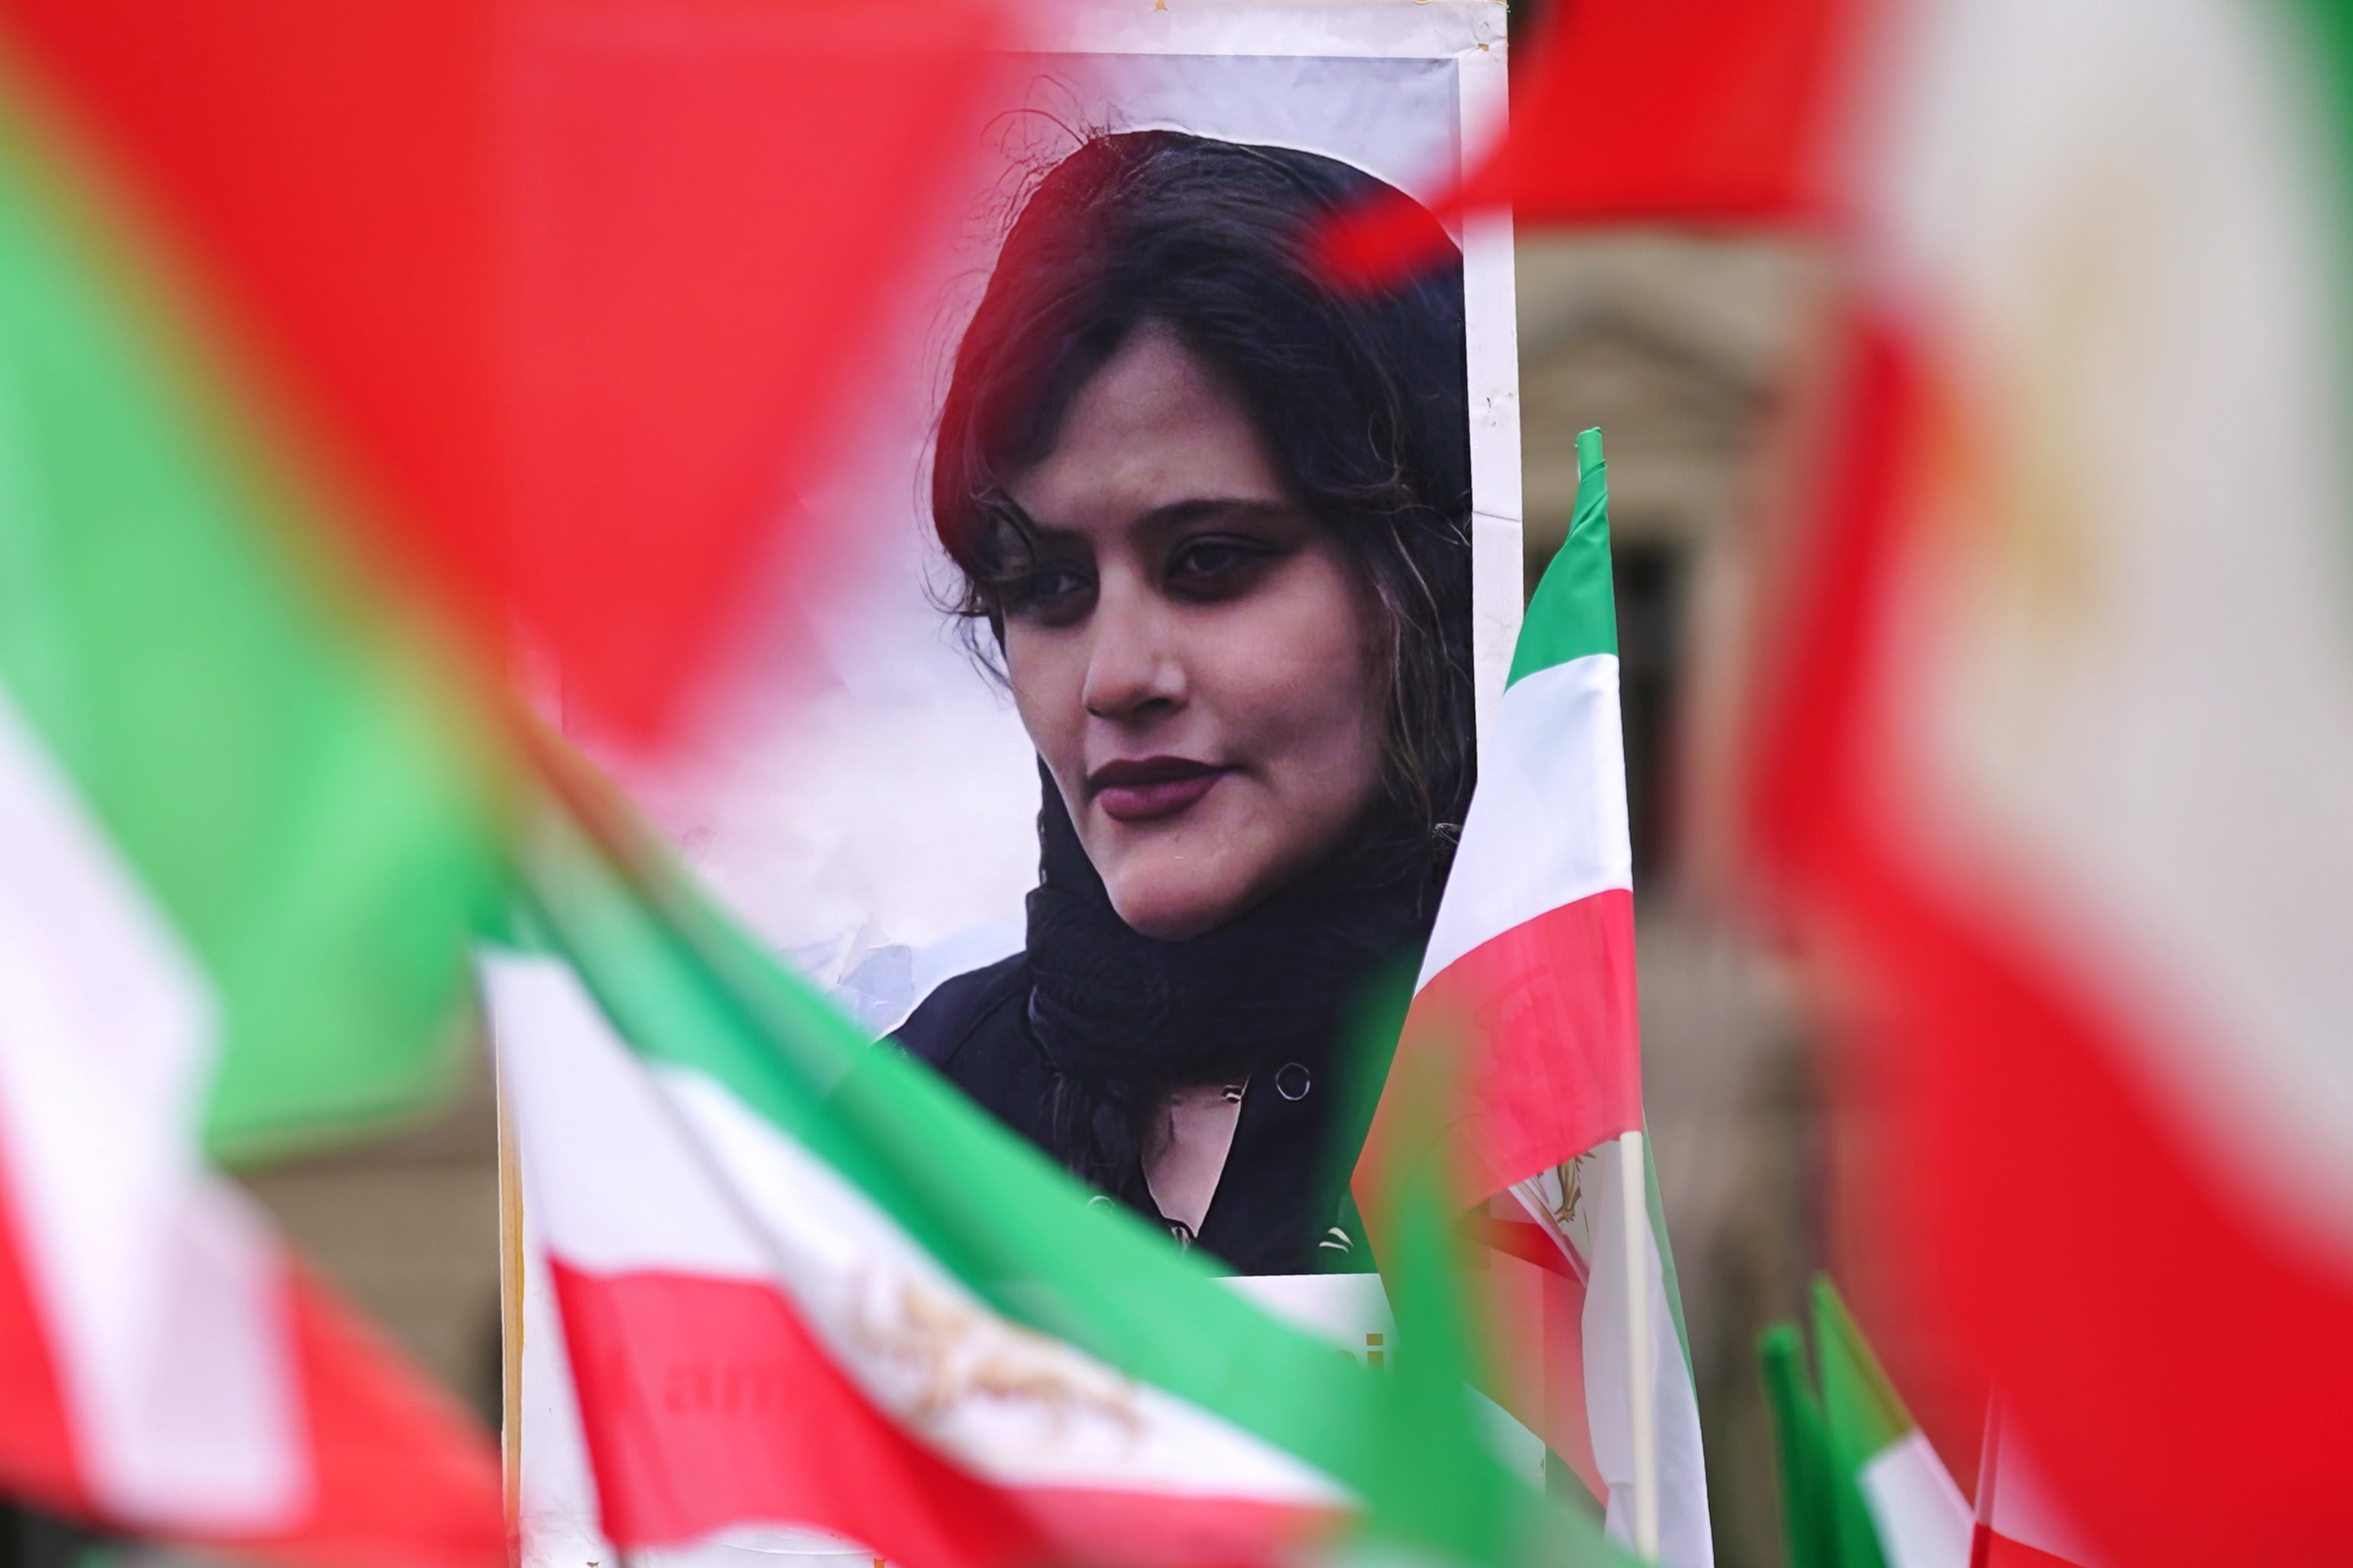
(36, 1450)
(707, 1402)
(1541, 1022)
(1988, 1550)
(399, 1476)
(1633, 110)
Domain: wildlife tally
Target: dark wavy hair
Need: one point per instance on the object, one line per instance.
(1361, 398)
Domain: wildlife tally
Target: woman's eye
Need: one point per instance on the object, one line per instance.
(1209, 566)
(1047, 593)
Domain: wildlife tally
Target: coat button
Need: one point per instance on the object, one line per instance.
(1291, 1082)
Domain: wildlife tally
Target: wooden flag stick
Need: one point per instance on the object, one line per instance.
(1633, 1186)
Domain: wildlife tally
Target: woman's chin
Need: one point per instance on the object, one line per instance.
(1168, 911)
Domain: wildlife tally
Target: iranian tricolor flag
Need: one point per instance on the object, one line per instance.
(1526, 1004)
(2058, 730)
(2061, 768)
(238, 867)
(1860, 1486)
(1919, 1516)
(803, 1282)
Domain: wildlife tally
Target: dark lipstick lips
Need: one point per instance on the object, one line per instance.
(1152, 788)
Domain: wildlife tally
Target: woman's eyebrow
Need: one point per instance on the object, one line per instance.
(1199, 509)
(1167, 515)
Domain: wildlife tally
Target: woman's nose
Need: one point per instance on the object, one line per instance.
(1132, 664)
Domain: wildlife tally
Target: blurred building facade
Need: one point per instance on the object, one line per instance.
(1680, 347)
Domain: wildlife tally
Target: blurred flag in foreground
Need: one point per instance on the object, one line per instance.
(1860, 1486)
(1823, 1519)
(1529, 979)
(2057, 733)
(1917, 1514)
(2061, 742)
(245, 847)
(803, 1282)
(1648, 111)
(765, 1320)
(569, 294)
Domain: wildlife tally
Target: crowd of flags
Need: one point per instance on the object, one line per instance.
(2051, 732)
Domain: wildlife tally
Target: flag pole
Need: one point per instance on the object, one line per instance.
(1633, 1186)
(1989, 1470)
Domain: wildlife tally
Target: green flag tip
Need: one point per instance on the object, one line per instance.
(1588, 449)
(1783, 1342)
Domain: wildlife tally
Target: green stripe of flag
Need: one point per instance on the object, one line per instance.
(1669, 1281)
(270, 757)
(1824, 1519)
(1865, 1413)
(1435, 1500)
(1801, 1448)
(2324, 50)
(1574, 611)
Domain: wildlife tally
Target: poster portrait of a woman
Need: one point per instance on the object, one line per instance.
(1209, 513)
(1117, 773)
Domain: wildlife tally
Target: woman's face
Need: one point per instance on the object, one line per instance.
(1192, 653)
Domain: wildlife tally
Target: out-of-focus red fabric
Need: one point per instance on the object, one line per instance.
(1712, 111)
(2171, 1352)
(563, 291)
(37, 1442)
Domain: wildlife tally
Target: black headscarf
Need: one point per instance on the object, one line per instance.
(1122, 1018)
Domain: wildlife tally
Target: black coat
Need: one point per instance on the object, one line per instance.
(1281, 1205)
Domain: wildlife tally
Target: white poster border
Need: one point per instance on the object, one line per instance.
(549, 1484)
